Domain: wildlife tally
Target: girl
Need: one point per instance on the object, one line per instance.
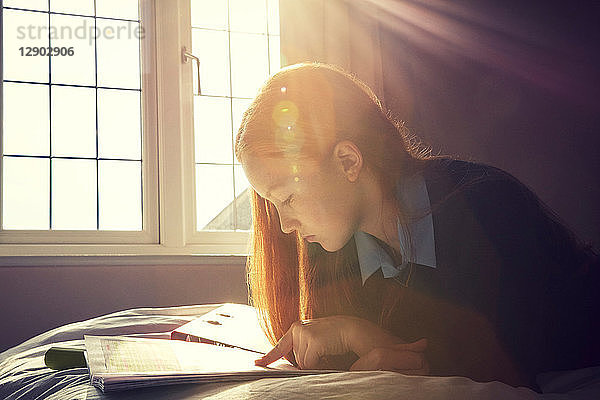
(368, 253)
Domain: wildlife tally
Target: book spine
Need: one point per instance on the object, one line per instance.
(191, 338)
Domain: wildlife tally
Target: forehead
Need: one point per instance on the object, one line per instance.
(270, 174)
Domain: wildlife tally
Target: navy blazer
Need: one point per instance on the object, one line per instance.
(514, 293)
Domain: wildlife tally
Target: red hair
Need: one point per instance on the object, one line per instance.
(301, 112)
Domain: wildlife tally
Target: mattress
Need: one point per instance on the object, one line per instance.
(23, 374)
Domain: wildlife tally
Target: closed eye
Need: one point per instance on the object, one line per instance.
(288, 201)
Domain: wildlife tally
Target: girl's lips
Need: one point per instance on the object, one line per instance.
(310, 238)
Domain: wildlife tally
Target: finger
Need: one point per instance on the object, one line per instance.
(282, 347)
(368, 362)
(389, 359)
(311, 357)
(421, 371)
(300, 352)
(403, 360)
(419, 346)
(362, 364)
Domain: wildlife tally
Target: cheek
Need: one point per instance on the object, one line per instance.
(328, 204)
(330, 217)
(331, 209)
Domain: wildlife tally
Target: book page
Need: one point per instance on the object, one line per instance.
(118, 354)
(232, 324)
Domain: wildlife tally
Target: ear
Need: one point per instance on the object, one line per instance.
(348, 158)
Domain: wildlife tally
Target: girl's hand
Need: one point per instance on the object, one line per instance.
(406, 358)
(313, 339)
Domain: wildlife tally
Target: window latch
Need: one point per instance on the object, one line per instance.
(186, 56)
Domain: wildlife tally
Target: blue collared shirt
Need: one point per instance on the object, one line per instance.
(371, 256)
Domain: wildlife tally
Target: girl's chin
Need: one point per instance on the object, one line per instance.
(330, 249)
(311, 239)
(326, 245)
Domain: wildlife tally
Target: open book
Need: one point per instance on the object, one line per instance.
(123, 362)
(234, 325)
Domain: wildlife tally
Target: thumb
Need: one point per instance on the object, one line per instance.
(418, 347)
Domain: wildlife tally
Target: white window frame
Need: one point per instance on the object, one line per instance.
(174, 34)
(169, 219)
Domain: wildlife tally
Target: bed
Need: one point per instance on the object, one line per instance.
(23, 374)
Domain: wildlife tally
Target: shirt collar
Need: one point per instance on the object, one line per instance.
(371, 256)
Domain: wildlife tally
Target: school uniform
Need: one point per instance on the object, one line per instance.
(499, 289)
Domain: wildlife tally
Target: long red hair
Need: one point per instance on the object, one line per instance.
(302, 111)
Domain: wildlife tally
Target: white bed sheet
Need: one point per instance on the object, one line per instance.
(23, 375)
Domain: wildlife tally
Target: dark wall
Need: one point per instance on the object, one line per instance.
(36, 299)
(510, 83)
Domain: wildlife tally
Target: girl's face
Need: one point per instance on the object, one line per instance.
(321, 200)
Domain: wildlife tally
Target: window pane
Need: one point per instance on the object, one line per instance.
(25, 194)
(78, 69)
(118, 54)
(248, 16)
(274, 54)
(120, 195)
(119, 127)
(81, 7)
(24, 29)
(125, 9)
(239, 106)
(249, 66)
(214, 197)
(74, 201)
(273, 17)
(212, 129)
(209, 14)
(40, 5)
(212, 49)
(242, 203)
(26, 119)
(73, 121)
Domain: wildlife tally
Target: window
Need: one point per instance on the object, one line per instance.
(108, 151)
(76, 144)
(237, 42)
